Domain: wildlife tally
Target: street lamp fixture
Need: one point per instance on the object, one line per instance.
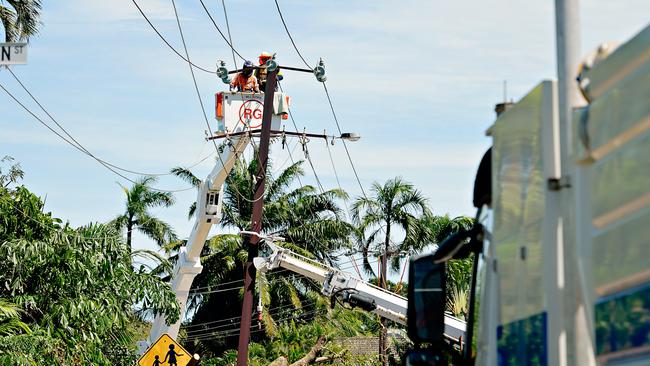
(350, 136)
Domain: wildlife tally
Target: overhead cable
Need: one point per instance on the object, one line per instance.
(168, 44)
(86, 151)
(220, 32)
(290, 37)
(347, 152)
(198, 95)
(82, 150)
(232, 48)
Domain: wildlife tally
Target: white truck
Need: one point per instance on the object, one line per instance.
(564, 277)
(567, 276)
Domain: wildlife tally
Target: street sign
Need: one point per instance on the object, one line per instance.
(165, 352)
(13, 53)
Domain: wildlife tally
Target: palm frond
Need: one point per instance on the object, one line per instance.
(186, 175)
(156, 229)
(8, 18)
(27, 17)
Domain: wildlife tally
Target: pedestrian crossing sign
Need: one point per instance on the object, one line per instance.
(165, 351)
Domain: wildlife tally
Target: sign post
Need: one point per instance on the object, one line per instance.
(13, 53)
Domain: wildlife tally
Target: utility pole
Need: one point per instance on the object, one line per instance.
(256, 221)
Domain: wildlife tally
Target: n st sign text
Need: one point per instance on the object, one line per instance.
(13, 53)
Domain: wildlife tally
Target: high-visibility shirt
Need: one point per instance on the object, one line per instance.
(245, 84)
(261, 73)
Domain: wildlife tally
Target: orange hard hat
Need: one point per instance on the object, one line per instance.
(264, 56)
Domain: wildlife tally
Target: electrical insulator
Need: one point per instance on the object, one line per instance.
(319, 72)
(271, 64)
(222, 72)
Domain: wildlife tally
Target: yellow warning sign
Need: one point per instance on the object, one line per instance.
(165, 352)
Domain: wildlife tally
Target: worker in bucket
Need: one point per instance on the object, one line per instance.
(245, 81)
(261, 71)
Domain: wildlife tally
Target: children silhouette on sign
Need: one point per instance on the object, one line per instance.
(171, 354)
(156, 362)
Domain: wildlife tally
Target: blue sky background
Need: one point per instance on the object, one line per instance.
(418, 80)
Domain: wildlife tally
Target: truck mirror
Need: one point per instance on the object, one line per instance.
(426, 300)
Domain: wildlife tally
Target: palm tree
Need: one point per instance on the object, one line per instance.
(186, 175)
(310, 221)
(139, 199)
(20, 19)
(395, 206)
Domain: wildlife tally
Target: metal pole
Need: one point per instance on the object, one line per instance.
(571, 339)
(256, 222)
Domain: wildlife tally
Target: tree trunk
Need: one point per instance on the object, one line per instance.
(311, 355)
(280, 361)
(129, 230)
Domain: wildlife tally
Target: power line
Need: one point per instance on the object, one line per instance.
(82, 150)
(210, 288)
(347, 152)
(311, 164)
(284, 163)
(276, 311)
(316, 175)
(167, 43)
(290, 37)
(232, 49)
(220, 32)
(74, 234)
(87, 152)
(293, 163)
(238, 317)
(212, 335)
(304, 148)
(329, 99)
(196, 85)
(198, 95)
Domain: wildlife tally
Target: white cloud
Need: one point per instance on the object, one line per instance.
(417, 79)
(109, 11)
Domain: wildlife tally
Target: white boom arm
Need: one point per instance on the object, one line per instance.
(208, 213)
(347, 288)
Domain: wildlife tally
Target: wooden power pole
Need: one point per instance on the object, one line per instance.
(256, 221)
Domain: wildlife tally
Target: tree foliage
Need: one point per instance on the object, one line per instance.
(20, 19)
(139, 199)
(312, 224)
(295, 338)
(75, 289)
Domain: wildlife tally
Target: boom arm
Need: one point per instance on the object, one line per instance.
(208, 213)
(349, 289)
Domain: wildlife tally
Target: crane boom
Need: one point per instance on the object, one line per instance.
(236, 113)
(345, 287)
(208, 213)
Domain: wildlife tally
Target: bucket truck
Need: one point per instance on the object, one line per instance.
(237, 114)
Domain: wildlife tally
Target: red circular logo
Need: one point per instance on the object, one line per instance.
(250, 112)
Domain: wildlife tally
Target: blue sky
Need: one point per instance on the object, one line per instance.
(417, 80)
